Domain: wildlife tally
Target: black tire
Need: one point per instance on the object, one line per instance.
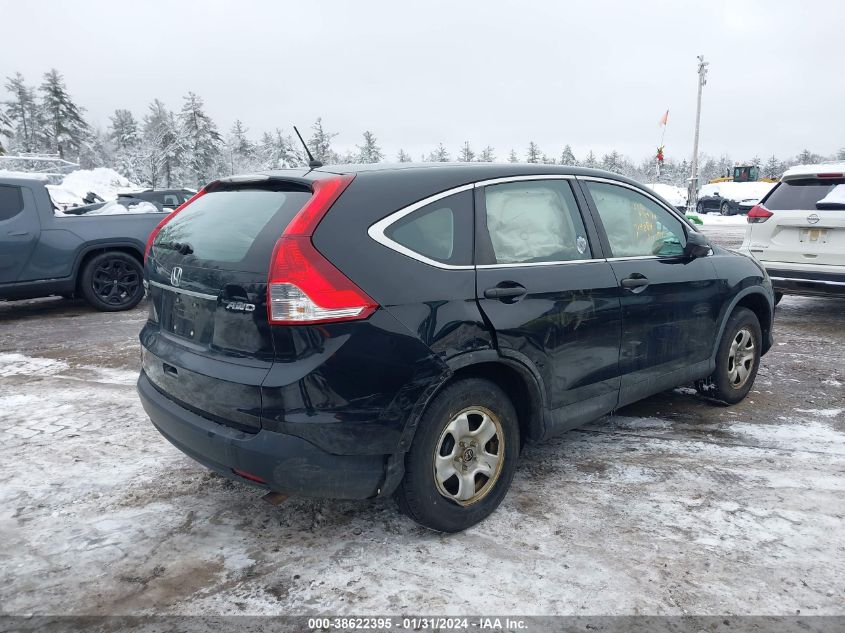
(724, 379)
(725, 209)
(778, 297)
(699, 208)
(419, 494)
(112, 281)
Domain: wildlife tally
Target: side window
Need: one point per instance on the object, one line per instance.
(11, 202)
(170, 200)
(532, 221)
(440, 231)
(636, 225)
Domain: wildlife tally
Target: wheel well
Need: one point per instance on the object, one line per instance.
(134, 252)
(524, 395)
(758, 304)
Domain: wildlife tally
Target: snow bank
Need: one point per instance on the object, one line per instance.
(738, 191)
(709, 219)
(117, 208)
(63, 198)
(103, 181)
(676, 195)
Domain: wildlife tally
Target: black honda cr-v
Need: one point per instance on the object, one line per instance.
(366, 331)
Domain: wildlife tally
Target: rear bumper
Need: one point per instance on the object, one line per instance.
(287, 464)
(807, 282)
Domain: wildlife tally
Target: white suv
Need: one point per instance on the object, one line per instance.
(797, 231)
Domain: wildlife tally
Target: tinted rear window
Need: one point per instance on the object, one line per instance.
(233, 229)
(800, 194)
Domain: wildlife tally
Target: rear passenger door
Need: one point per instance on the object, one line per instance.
(549, 295)
(670, 302)
(19, 230)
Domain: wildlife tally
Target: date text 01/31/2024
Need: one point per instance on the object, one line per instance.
(415, 623)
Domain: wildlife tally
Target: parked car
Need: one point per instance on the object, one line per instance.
(730, 198)
(355, 332)
(41, 254)
(164, 199)
(798, 231)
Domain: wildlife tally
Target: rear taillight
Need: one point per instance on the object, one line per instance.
(167, 219)
(303, 286)
(758, 213)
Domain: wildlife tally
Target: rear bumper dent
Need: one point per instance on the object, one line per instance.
(288, 464)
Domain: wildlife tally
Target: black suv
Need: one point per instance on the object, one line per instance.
(366, 331)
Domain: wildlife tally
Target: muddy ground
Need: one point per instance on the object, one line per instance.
(672, 506)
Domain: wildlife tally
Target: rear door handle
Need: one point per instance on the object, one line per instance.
(505, 292)
(634, 284)
(18, 233)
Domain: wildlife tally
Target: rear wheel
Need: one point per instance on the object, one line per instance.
(463, 457)
(725, 209)
(738, 358)
(699, 207)
(112, 281)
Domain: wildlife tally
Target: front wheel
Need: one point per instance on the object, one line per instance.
(112, 281)
(463, 457)
(725, 209)
(738, 358)
(699, 207)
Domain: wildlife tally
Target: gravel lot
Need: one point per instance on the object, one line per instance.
(672, 506)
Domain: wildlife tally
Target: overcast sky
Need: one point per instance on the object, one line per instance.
(596, 75)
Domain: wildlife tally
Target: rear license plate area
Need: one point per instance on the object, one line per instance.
(188, 317)
(813, 236)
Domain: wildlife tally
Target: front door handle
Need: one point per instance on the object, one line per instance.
(635, 284)
(505, 292)
(18, 233)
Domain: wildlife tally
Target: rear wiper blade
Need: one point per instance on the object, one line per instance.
(183, 248)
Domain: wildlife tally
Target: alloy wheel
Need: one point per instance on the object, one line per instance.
(115, 282)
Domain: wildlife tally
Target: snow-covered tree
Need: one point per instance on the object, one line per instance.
(773, 168)
(590, 160)
(466, 155)
(96, 151)
(320, 144)
(403, 157)
(64, 126)
(533, 154)
(240, 151)
(548, 160)
(612, 162)
(200, 139)
(160, 150)
(439, 155)
(840, 155)
(22, 111)
(512, 157)
(807, 157)
(123, 131)
(277, 151)
(370, 152)
(5, 129)
(567, 157)
(487, 155)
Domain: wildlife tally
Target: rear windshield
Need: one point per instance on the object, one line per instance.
(805, 195)
(234, 229)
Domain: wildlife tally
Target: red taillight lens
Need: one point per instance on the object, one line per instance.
(167, 219)
(303, 286)
(758, 213)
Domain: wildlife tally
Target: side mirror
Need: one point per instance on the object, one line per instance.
(697, 245)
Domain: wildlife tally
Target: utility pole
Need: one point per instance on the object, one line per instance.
(692, 195)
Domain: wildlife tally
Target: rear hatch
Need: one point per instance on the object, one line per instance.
(208, 343)
(807, 225)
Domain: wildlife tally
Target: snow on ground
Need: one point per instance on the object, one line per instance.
(673, 506)
(105, 182)
(717, 219)
(738, 191)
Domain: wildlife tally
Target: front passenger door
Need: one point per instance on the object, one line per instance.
(670, 302)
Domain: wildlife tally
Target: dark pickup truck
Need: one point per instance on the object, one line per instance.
(99, 257)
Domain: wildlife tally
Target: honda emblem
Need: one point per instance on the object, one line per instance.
(176, 276)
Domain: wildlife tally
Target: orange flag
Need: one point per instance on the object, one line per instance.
(665, 118)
